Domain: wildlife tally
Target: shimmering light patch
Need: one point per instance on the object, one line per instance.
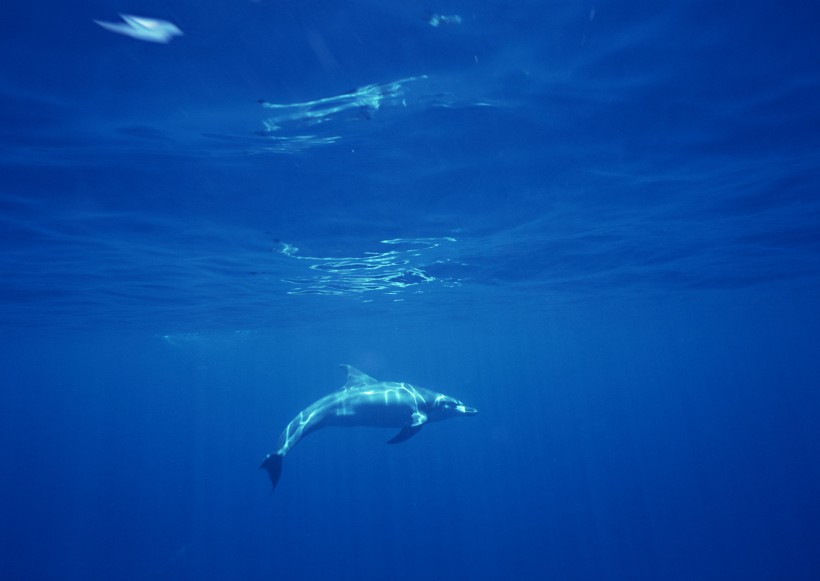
(392, 271)
(142, 28)
(286, 126)
(436, 20)
(295, 144)
(192, 338)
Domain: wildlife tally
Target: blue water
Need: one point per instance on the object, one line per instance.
(598, 223)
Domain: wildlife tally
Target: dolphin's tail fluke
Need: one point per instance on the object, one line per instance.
(273, 464)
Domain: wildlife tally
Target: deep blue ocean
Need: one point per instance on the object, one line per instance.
(596, 222)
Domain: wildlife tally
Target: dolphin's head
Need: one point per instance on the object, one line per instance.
(444, 406)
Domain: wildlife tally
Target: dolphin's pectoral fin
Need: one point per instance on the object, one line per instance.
(406, 433)
(416, 422)
(273, 464)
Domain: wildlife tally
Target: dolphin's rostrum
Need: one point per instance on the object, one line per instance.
(364, 401)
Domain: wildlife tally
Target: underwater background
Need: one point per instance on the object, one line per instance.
(596, 222)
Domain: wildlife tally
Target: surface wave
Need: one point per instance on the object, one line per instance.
(405, 265)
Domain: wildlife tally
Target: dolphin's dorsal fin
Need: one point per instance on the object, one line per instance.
(356, 378)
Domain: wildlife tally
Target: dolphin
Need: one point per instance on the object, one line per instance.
(365, 401)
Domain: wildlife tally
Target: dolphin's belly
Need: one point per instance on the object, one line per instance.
(372, 415)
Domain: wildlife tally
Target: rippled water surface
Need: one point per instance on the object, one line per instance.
(580, 151)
